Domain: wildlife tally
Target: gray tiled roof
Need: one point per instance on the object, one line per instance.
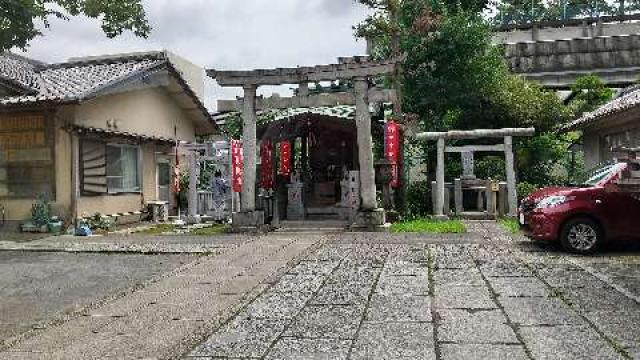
(628, 99)
(19, 70)
(75, 80)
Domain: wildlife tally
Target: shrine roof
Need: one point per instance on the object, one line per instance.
(345, 112)
(626, 100)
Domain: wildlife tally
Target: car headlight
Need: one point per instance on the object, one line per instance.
(552, 201)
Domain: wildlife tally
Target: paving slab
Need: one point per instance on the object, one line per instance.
(404, 268)
(482, 352)
(518, 287)
(567, 342)
(399, 308)
(310, 349)
(403, 285)
(342, 293)
(242, 337)
(327, 321)
(600, 298)
(458, 277)
(623, 327)
(475, 327)
(394, 340)
(539, 311)
(501, 269)
(463, 297)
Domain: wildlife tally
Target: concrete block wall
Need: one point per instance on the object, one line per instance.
(605, 52)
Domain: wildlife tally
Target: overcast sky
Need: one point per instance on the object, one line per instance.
(222, 34)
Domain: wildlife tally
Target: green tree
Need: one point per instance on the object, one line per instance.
(454, 78)
(19, 19)
(588, 93)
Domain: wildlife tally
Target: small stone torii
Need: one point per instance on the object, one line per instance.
(507, 134)
(358, 70)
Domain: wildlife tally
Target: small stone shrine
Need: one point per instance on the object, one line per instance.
(468, 181)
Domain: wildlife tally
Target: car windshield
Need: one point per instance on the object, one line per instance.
(601, 174)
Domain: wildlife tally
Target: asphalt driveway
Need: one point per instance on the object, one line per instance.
(38, 289)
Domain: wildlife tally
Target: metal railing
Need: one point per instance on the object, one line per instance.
(564, 13)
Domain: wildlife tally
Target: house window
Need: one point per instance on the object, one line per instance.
(123, 173)
(26, 156)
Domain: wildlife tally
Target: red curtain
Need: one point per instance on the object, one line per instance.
(266, 155)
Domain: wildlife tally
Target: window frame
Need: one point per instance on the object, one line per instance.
(50, 146)
(120, 191)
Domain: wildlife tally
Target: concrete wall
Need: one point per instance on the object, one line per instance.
(591, 150)
(192, 73)
(575, 54)
(618, 130)
(149, 111)
(568, 32)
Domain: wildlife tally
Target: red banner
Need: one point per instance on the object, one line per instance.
(266, 155)
(392, 150)
(237, 163)
(285, 158)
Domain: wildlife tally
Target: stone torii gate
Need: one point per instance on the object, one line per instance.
(507, 134)
(358, 70)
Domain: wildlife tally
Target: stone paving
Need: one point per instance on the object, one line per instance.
(412, 298)
(167, 317)
(481, 295)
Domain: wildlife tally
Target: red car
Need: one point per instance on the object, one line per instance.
(584, 217)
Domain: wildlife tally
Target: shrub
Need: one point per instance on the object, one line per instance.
(41, 211)
(98, 222)
(525, 188)
(418, 199)
(491, 167)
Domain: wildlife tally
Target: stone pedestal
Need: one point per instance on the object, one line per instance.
(194, 219)
(350, 195)
(370, 220)
(295, 203)
(248, 221)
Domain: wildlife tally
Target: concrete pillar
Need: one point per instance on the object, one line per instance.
(458, 196)
(535, 33)
(194, 172)
(365, 145)
(249, 119)
(439, 213)
(512, 193)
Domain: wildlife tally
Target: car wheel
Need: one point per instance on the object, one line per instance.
(581, 236)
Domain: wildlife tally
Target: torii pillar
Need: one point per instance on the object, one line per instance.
(248, 218)
(369, 216)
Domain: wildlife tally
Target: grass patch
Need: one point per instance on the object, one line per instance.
(511, 225)
(429, 226)
(210, 231)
